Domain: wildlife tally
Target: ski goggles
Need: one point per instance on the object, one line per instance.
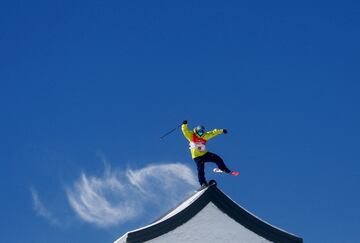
(200, 132)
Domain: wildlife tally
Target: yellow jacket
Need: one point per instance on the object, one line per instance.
(197, 143)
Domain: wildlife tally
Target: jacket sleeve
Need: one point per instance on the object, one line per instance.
(186, 131)
(213, 133)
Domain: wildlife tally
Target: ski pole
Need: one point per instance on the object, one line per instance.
(169, 132)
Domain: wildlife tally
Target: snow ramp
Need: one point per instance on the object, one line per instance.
(209, 216)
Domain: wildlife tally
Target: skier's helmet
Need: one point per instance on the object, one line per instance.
(200, 130)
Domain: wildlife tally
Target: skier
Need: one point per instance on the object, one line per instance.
(198, 138)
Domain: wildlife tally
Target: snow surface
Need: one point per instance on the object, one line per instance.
(266, 222)
(178, 209)
(210, 225)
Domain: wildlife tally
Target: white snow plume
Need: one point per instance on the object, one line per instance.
(40, 209)
(119, 196)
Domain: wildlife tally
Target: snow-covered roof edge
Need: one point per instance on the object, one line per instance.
(190, 207)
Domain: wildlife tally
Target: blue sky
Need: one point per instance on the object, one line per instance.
(88, 87)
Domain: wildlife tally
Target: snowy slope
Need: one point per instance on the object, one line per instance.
(173, 212)
(210, 225)
(209, 216)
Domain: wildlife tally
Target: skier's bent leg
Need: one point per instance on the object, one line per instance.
(219, 162)
(201, 171)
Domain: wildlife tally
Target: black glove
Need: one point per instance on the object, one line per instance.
(224, 131)
(184, 122)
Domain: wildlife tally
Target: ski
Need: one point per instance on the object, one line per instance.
(234, 173)
(210, 183)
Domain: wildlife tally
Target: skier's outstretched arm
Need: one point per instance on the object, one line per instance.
(213, 133)
(186, 131)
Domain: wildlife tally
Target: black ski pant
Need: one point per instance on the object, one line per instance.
(208, 157)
